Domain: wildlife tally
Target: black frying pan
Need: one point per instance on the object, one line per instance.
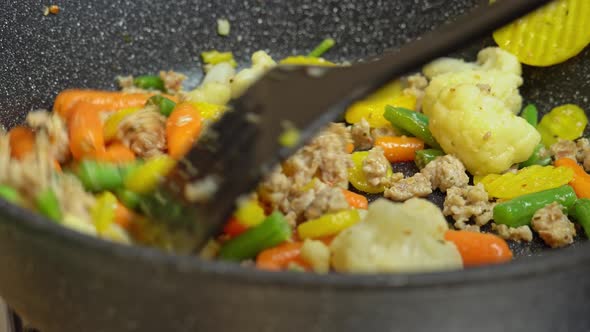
(62, 281)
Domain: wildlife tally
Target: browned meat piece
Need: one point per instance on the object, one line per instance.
(416, 85)
(361, 135)
(518, 234)
(383, 131)
(564, 149)
(446, 172)
(404, 189)
(172, 80)
(583, 155)
(144, 132)
(464, 203)
(56, 130)
(553, 226)
(375, 167)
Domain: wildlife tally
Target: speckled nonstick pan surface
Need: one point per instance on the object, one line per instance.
(62, 281)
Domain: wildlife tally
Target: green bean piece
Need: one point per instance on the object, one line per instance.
(520, 210)
(423, 157)
(322, 48)
(537, 158)
(99, 176)
(165, 105)
(581, 212)
(48, 205)
(149, 82)
(10, 194)
(128, 198)
(272, 231)
(531, 115)
(413, 122)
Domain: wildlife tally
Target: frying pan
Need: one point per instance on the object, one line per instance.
(62, 281)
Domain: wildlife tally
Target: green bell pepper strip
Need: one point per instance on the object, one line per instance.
(272, 231)
(99, 176)
(149, 82)
(48, 205)
(165, 105)
(581, 212)
(520, 210)
(531, 115)
(322, 48)
(536, 158)
(128, 198)
(413, 122)
(10, 194)
(423, 157)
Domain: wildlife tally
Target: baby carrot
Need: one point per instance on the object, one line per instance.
(123, 216)
(581, 181)
(22, 141)
(479, 248)
(349, 147)
(86, 135)
(183, 127)
(355, 200)
(400, 148)
(118, 153)
(279, 257)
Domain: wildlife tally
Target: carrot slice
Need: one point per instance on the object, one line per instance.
(234, 227)
(479, 248)
(118, 153)
(400, 148)
(279, 257)
(22, 141)
(182, 129)
(355, 200)
(85, 131)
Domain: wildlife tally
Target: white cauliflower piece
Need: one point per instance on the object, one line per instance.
(317, 254)
(396, 237)
(477, 127)
(216, 86)
(446, 65)
(495, 58)
(261, 63)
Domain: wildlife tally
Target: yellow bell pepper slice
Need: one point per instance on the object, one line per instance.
(303, 60)
(209, 111)
(357, 177)
(566, 122)
(527, 180)
(373, 107)
(111, 124)
(103, 212)
(250, 213)
(215, 57)
(146, 176)
(549, 35)
(328, 224)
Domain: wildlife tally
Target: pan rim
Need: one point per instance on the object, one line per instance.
(555, 261)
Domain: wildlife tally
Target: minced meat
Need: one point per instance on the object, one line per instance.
(553, 226)
(464, 203)
(404, 189)
(446, 172)
(583, 153)
(375, 167)
(56, 130)
(361, 135)
(518, 234)
(172, 80)
(144, 132)
(564, 149)
(382, 132)
(416, 85)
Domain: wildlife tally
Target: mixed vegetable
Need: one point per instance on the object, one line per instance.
(93, 163)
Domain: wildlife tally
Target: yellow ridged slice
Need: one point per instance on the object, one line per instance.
(550, 35)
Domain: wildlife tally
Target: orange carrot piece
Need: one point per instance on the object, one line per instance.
(355, 200)
(57, 166)
(349, 147)
(182, 129)
(85, 131)
(400, 148)
(123, 216)
(581, 181)
(234, 228)
(22, 141)
(279, 257)
(118, 153)
(479, 248)
(103, 100)
(327, 239)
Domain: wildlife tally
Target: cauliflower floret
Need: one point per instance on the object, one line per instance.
(477, 127)
(396, 237)
(317, 254)
(261, 63)
(498, 59)
(446, 65)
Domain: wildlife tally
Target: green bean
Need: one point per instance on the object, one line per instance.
(531, 115)
(322, 48)
(539, 157)
(99, 176)
(165, 105)
(581, 212)
(272, 231)
(128, 198)
(413, 122)
(10, 194)
(48, 205)
(520, 210)
(423, 157)
(149, 82)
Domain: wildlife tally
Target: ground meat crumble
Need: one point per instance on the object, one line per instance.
(464, 203)
(416, 85)
(375, 167)
(564, 149)
(56, 130)
(361, 135)
(404, 189)
(172, 80)
(446, 172)
(518, 234)
(553, 226)
(144, 132)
